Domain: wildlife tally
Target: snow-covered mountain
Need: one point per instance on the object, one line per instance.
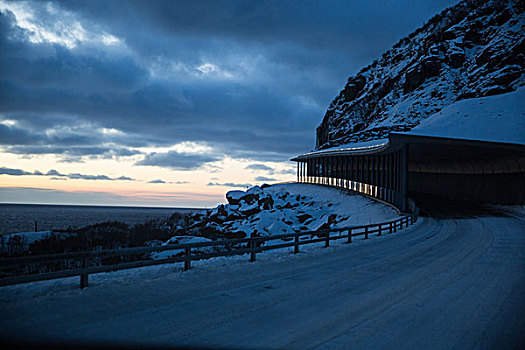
(473, 49)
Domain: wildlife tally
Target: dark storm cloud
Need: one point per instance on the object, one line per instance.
(259, 167)
(14, 172)
(288, 172)
(71, 151)
(178, 161)
(264, 178)
(15, 136)
(56, 175)
(156, 182)
(229, 184)
(250, 78)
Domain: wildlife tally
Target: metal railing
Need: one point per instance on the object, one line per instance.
(189, 252)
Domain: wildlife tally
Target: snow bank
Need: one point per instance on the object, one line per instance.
(180, 252)
(357, 146)
(499, 118)
(286, 208)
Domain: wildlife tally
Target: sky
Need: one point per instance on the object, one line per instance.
(174, 103)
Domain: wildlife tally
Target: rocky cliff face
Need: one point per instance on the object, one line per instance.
(474, 49)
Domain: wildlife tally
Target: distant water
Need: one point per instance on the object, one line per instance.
(22, 217)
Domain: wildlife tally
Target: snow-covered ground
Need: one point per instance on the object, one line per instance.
(286, 208)
(499, 118)
(321, 202)
(281, 209)
(441, 284)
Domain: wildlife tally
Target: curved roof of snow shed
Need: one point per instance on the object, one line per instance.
(423, 149)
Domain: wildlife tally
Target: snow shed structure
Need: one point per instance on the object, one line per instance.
(405, 164)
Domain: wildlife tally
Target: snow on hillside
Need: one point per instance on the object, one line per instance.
(281, 209)
(493, 118)
(293, 207)
(473, 49)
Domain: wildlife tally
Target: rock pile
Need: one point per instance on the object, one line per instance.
(262, 211)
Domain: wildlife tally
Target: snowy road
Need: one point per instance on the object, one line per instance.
(451, 282)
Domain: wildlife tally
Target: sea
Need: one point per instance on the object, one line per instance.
(16, 218)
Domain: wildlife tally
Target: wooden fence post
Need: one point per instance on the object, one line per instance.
(84, 275)
(379, 230)
(395, 226)
(252, 249)
(349, 235)
(187, 261)
(296, 245)
(366, 232)
(327, 242)
(390, 228)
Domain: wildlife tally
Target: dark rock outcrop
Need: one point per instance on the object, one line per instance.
(473, 49)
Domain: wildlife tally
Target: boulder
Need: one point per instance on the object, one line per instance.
(289, 205)
(414, 77)
(506, 75)
(303, 217)
(449, 35)
(496, 90)
(332, 218)
(265, 203)
(249, 209)
(431, 66)
(212, 228)
(455, 59)
(503, 17)
(250, 197)
(354, 87)
(233, 215)
(235, 234)
(234, 197)
(219, 214)
(485, 56)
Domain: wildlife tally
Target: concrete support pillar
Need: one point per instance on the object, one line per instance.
(395, 171)
(376, 170)
(382, 165)
(361, 169)
(366, 162)
(403, 178)
(322, 170)
(372, 170)
(346, 159)
(330, 169)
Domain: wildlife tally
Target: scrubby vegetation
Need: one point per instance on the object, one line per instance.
(105, 235)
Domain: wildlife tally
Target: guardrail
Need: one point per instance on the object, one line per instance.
(250, 246)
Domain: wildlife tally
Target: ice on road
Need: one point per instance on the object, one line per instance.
(444, 283)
